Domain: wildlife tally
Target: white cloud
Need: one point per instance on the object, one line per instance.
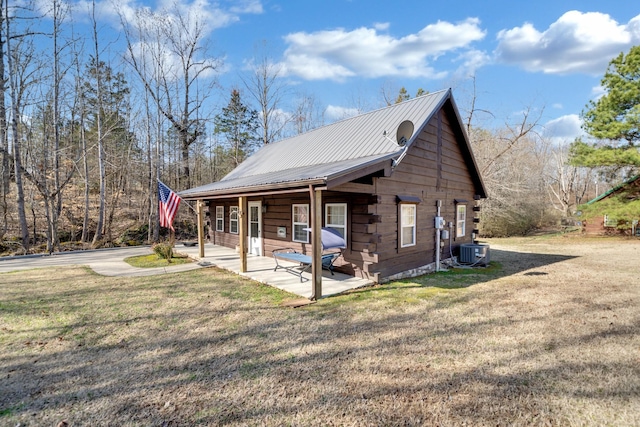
(576, 42)
(248, 6)
(334, 112)
(339, 54)
(472, 60)
(564, 129)
(211, 14)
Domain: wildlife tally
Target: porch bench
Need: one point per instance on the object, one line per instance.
(302, 261)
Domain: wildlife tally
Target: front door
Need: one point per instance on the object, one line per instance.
(255, 228)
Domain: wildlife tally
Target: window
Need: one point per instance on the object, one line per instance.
(219, 218)
(610, 221)
(335, 216)
(300, 223)
(407, 225)
(233, 220)
(461, 220)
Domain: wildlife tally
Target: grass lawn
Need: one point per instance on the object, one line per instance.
(549, 335)
(154, 260)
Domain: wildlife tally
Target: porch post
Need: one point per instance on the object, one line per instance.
(200, 211)
(242, 244)
(316, 243)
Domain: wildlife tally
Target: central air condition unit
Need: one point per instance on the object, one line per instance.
(471, 253)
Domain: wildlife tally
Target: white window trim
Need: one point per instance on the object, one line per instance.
(220, 218)
(332, 225)
(461, 220)
(413, 226)
(232, 220)
(294, 223)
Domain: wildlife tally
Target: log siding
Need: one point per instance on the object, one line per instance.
(436, 167)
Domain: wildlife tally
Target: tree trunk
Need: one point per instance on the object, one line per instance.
(22, 218)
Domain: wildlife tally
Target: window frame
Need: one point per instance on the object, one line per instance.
(220, 218)
(234, 210)
(336, 226)
(295, 223)
(461, 220)
(402, 226)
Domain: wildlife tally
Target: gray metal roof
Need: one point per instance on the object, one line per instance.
(329, 151)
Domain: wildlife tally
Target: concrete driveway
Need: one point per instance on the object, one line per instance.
(107, 262)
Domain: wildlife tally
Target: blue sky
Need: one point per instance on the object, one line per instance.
(543, 55)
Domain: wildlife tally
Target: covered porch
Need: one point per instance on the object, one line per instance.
(261, 269)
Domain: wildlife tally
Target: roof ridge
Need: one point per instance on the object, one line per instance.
(366, 113)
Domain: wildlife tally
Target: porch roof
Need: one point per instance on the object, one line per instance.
(322, 174)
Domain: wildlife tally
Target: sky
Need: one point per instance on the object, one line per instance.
(546, 56)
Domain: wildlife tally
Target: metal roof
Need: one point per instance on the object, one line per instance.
(613, 190)
(327, 152)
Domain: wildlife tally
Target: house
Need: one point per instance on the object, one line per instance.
(616, 211)
(389, 181)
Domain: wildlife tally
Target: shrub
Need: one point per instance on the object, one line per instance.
(164, 250)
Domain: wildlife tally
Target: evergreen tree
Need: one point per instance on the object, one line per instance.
(238, 124)
(614, 119)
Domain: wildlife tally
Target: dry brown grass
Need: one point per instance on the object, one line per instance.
(550, 338)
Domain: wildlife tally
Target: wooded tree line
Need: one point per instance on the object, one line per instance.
(85, 133)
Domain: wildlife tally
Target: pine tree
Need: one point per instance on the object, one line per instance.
(238, 124)
(614, 119)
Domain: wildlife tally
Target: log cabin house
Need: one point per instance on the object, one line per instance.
(389, 181)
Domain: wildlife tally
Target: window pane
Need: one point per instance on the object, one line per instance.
(336, 217)
(461, 220)
(233, 219)
(407, 236)
(299, 233)
(336, 214)
(219, 218)
(408, 215)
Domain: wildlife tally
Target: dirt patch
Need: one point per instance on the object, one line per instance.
(549, 338)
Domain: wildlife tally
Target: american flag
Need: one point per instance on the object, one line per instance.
(169, 202)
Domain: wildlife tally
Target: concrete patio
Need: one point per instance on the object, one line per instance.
(261, 269)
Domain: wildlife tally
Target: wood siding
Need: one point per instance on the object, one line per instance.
(435, 168)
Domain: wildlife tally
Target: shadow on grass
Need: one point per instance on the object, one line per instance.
(210, 356)
(504, 263)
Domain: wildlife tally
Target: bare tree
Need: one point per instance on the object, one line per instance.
(267, 88)
(100, 134)
(567, 184)
(307, 113)
(512, 167)
(181, 76)
(16, 92)
(4, 141)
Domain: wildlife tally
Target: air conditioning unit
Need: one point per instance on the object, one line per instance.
(471, 253)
